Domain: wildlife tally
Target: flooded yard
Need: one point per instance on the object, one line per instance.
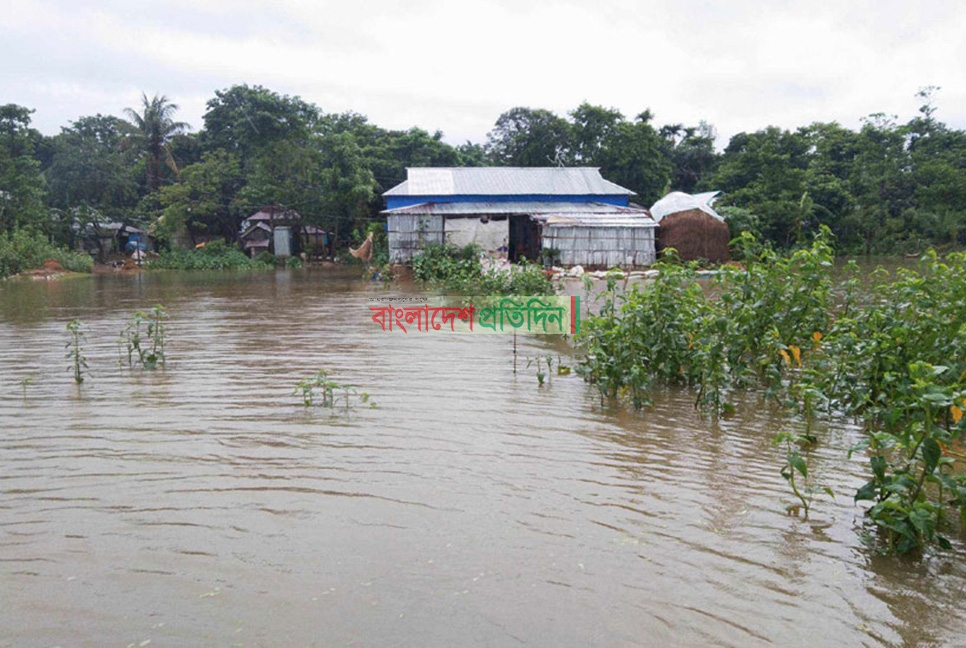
(204, 505)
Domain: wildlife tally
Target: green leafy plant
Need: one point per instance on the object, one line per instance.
(215, 255)
(320, 389)
(75, 351)
(896, 361)
(25, 250)
(544, 367)
(459, 270)
(796, 466)
(145, 348)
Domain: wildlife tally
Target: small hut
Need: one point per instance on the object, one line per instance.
(692, 227)
(256, 238)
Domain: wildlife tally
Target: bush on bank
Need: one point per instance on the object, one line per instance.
(24, 250)
(215, 255)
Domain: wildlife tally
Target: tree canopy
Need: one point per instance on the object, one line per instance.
(888, 185)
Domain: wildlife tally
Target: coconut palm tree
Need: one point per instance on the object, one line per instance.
(155, 129)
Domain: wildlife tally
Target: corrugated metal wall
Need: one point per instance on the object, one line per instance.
(408, 234)
(601, 246)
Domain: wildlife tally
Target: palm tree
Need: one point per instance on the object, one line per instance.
(155, 129)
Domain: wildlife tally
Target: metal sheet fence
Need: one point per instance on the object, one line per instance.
(409, 233)
(601, 246)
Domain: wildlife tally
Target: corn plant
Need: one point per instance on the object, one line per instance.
(75, 351)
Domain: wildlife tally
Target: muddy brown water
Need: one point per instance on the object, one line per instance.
(204, 506)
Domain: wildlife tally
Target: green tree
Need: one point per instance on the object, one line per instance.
(287, 175)
(90, 169)
(690, 151)
(154, 130)
(244, 119)
(765, 172)
(880, 180)
(22, 186)
(347, 186)
(529, 137)
(634, 156)
(203, 201)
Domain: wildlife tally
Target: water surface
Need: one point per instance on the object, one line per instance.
(204, 506)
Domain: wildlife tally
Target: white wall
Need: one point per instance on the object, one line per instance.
(490, 235)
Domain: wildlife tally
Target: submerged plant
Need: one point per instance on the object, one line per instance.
(156, 334)
(145, 348)
(544, 368)
(797, 466)
(320, 389)
(23, 385)
(75, 352)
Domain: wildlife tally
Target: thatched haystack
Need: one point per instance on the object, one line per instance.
(695, 235)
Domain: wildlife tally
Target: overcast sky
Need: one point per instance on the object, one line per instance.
(456, 65)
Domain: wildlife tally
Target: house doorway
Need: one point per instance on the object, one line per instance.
(524, 239)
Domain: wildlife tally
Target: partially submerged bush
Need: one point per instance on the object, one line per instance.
(22, 250)
(215, 255)
(897, 361)
(460, 270)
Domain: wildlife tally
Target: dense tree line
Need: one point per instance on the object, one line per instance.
(885, 187)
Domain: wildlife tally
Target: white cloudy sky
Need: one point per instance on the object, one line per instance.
(457, 64)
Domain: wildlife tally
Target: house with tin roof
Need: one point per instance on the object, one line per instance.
(516, 212)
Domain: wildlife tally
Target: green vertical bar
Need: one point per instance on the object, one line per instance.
(576, 315)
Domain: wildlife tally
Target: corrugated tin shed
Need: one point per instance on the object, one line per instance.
(505, 181)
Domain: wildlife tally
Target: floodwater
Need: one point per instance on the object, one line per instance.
(203, 505)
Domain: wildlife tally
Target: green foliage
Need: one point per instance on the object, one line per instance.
(152, 137)
(147, 351)
(22, 250)
(322, 390)
(460, 270)
(889, 186)
(544, 368)
(244, 119)
(75, 352)
(22, 187)
(267, 259)
(203, 200)
(796, 466)
(90, 167)
(898, 361)
(216, 255)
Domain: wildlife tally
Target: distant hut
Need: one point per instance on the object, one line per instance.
(256, 238)
(692, 227)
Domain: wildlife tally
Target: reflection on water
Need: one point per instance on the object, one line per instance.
(204, 506)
